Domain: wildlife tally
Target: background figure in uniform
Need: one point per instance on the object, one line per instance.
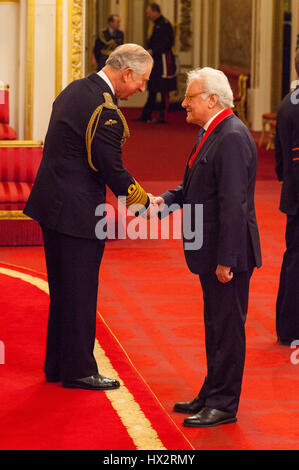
(287, 169)
(163, 76)
(219, 177)
(108, 40)
(82, 154)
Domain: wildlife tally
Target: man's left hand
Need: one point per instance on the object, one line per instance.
(224, 273)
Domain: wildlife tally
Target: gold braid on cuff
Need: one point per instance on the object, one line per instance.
(94, 121)
(137, 199)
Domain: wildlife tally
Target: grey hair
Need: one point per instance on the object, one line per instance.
(130, 56)
(214, 82)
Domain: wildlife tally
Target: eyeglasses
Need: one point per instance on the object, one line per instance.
(190, 97)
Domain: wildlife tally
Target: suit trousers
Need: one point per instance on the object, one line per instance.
(225, 311)
(150, 105)
(287, 304)
(73, 269)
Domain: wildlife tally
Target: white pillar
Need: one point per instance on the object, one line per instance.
(44, 66)
(259, 94)
(9, 53)
(295, 32)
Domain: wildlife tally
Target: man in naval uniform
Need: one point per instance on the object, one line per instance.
(82, 154)
(107, 40)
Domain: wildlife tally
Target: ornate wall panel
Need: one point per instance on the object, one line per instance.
(235, 33)
(76, 39)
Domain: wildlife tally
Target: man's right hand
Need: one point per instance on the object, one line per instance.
(159, 201)
(156, 206)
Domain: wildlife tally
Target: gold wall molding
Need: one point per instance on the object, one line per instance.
(59, 45)
(20, 143)
(277, 53)
(185, 26)
(75, 39)
(29, 81)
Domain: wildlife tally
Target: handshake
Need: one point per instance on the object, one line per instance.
(156, 206)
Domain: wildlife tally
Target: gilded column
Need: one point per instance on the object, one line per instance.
(29, 70)
(59, 44)
(75, 39)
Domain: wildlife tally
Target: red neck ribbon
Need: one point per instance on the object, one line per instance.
(218, 119)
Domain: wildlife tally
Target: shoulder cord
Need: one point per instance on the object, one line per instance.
(91, 128)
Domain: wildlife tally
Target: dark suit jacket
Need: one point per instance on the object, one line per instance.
(67, 190)
(105, 44)
(222, 178)
(287, 152)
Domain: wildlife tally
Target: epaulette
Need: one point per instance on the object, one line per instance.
(93, 123)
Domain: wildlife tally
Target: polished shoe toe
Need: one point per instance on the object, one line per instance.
(93, 382)
(189, 407)
(209, 417)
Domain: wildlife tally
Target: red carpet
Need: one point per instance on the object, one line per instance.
(41, 416)
(153, 305)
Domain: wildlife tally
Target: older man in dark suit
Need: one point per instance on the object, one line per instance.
(82, 154)
(220, 175)
(287, 169)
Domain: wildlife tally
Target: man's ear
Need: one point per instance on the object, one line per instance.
(127, 73)
(213, 101)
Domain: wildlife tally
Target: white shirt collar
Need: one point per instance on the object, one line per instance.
(210, 120)
(106, 79)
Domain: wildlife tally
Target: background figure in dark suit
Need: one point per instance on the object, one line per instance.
(107, 40)
(220, 175)
(163, 76)
(82, 154)
(287, 169)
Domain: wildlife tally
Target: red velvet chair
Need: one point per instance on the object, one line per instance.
(6, 131)
(19, 162)
(239, 82)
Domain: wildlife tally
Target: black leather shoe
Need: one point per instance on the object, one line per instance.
(52, 378)
(209, 417)
(94, 382)
(284, 341)
(189, 407)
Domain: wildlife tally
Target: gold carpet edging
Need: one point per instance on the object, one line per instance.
(143, 380)
(137, 425)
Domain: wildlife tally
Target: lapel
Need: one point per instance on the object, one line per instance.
(212, 138)
(103, 86)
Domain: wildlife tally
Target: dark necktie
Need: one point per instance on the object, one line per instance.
(200, 136)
